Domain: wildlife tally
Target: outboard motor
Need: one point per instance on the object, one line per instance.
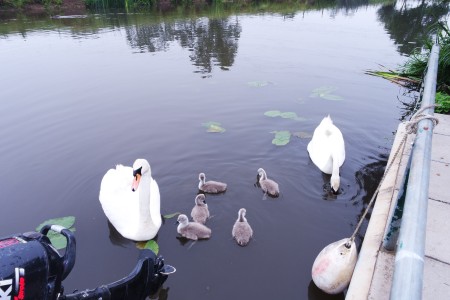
(31, 268)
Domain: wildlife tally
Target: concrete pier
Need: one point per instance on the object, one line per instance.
(374, 270)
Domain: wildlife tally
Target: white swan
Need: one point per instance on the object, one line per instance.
(131, 201)
(327, 150)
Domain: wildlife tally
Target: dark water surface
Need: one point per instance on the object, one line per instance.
(79, 95)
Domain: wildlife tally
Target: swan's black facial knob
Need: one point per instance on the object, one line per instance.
(137, 171)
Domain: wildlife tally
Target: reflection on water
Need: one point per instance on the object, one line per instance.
(211, 41)
(409, 22)
(369, 178)
(314, 293)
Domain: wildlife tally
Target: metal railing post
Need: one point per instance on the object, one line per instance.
(409, 260)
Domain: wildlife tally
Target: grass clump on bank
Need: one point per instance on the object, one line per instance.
(22, 3)
(412, 72)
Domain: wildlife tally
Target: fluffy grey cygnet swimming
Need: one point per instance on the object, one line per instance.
(268, 185)
(211, 187)
(192, 230)
(242, 232)
(200, 212)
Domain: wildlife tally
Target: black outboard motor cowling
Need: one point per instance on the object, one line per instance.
(31, 268)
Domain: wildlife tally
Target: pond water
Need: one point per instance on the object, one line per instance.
(82, 94)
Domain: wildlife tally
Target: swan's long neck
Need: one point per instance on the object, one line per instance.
(144, 198)
(335, 180)
(242, 218)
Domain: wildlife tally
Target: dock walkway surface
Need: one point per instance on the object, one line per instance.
(372, 278)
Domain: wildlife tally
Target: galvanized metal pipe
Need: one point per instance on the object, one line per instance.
(409, 258)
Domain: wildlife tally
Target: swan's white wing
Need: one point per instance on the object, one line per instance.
(327, 143)
(320, 151)
(119, 203)
(338, 146)
(155, 204)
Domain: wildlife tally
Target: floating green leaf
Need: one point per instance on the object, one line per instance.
(66, 222)
(281, 137)
(285, 115)
(302, 134)
(58, 241)
(215, 128)
(326, 92)
(258, 83)
(169, 216)
(289, 115)
(151, 244)
(272, 113)
(212, 126)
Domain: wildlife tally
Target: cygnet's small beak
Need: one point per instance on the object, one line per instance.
(135, 184)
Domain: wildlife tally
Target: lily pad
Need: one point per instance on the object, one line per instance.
(272, 113)
(285, 115)
(151, 244)
(326, 92)
(281, 138)
(302, 134)
(58, 241)
(170, 216)
(213, 127)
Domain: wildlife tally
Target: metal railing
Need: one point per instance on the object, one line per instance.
(409, 259)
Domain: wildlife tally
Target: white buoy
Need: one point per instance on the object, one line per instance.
(333, 267)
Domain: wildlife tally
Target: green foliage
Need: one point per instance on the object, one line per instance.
(416, 66)
(212, 126)
(325, 92)
(151, 244)
(170, 216)
(21, 3)
(16, 3)
(412, 72)
(58, 241)
(443, 100)
(285, 115)
(281, 138)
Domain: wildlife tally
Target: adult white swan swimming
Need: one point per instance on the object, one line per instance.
(327, 150)
(131, 201)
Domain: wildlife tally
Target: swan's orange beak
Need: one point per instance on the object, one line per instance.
(135, 184)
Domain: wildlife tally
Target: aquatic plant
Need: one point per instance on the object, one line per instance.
(412, 72)
(151, 244)
(325, 92)
(285, 115)
(170, 216)
(212, 126)
(281, 137)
